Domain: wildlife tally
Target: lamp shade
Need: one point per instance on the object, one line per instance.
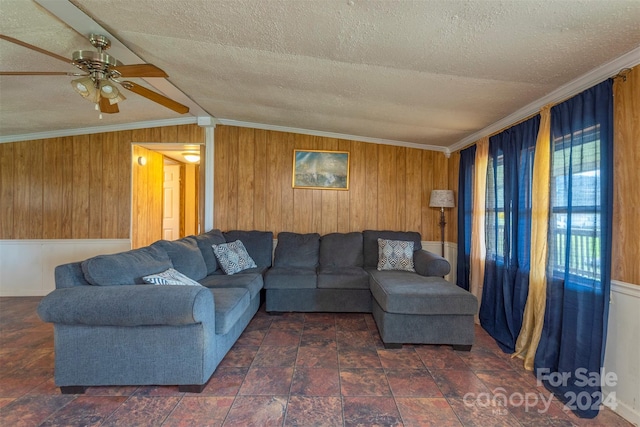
(442, 199)
(108, 90)
(85, 86)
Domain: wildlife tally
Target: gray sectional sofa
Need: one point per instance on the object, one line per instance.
(111, 328)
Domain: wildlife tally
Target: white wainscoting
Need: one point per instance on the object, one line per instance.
(622, 355)
(27, 266)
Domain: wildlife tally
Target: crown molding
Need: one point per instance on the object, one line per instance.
(574, 87)
(98, 129)
(230, 122)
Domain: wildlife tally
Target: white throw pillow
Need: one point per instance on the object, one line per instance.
(170, 277)
(395, 255)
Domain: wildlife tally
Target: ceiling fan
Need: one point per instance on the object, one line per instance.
(100, 72)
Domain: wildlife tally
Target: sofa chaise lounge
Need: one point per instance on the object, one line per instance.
(338, 272)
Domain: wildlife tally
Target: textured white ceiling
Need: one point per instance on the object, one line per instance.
(424, 72)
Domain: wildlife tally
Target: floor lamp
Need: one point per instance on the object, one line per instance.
(442, 199)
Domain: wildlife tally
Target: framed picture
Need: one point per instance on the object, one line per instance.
(325, 170)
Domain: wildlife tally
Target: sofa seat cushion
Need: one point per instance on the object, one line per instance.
(252, 282)
(205, 242)
(343, 278)
(230, 304)
(290, 278)
(341, 250)
(185, 256)
(409, 293)
(126, 268)
(295, 250)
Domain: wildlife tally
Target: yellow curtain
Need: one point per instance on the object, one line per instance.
(533, 320)
(478, 248)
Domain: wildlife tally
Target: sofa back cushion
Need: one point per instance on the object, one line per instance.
(205, 242)
(370, 243)
(259, 244)
(297, 250)
(341, 250)
(186, 256)
(125, 268)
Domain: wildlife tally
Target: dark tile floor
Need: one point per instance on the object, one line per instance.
(294, 370)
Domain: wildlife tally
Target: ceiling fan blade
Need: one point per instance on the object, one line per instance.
(107, 107)
(155, 97)
(39, 73)
(37, 49)
(140, 70)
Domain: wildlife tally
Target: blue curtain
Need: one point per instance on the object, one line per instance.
(465, 207)
(508, 231)
(571, 349)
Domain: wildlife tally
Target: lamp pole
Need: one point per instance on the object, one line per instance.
(442, 224)
(442, 199)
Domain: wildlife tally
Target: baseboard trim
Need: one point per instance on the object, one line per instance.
(624, 410)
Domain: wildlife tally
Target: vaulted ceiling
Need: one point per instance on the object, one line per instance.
(420, 73)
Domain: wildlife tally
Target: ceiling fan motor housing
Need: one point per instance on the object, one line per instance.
(94, 61)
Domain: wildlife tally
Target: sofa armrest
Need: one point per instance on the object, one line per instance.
(128, 305)
(430, 264)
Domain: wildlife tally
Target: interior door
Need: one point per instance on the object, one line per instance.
(171, 210)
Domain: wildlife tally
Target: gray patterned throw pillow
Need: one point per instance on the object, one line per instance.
(395, 255)
(233, 257)
(170, 277)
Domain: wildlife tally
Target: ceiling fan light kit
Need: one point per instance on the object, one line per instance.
(85, 87)
(103, 71)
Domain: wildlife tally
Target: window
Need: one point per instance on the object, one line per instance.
(574, 228)
(494, 219)
(515, 217)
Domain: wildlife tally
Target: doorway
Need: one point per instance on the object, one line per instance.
(171, 206)
(165, 196)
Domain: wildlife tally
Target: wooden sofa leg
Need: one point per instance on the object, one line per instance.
(392, 346)
(460, 347)
(73, 389)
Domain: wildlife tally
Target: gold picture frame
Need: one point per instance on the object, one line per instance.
(320, 169)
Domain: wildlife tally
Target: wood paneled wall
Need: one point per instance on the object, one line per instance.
(389, 186)
(66, 188)
(76, 187)
(191, 202)
(147, 207)
(626, 209)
